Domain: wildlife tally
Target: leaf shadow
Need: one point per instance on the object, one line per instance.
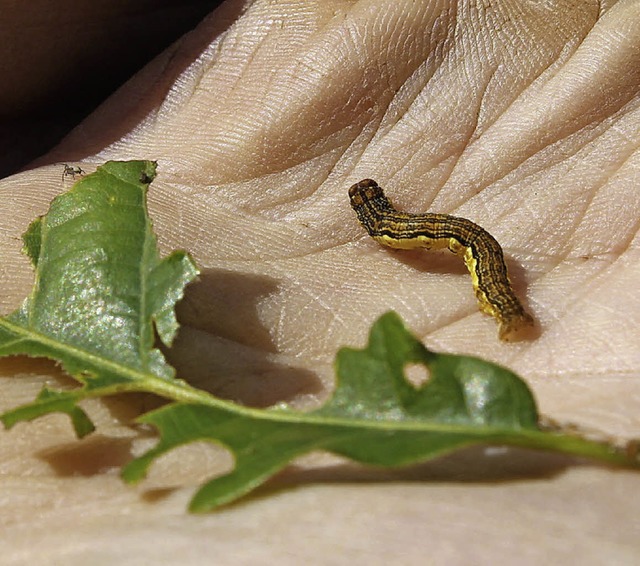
(94, 455)
(99, 453)
(21, 365)
(479, 465)
(476, 465)
(223, 303)
(224, 348)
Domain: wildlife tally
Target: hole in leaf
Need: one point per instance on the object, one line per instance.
(416, 374)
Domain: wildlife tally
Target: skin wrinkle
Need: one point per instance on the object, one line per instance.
(516, 164)
(569, 302)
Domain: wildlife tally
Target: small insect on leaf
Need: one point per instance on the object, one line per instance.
(71, 171)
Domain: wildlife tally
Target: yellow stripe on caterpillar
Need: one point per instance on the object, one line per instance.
(481, 252)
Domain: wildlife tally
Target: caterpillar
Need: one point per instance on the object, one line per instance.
(482, 253)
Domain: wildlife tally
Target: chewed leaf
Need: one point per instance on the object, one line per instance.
(374, 417)
(97, 284)
(460, 389)
(101, 290)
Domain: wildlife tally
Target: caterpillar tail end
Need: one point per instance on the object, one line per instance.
(517, 328)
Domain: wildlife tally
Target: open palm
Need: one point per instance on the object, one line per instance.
(522, 118)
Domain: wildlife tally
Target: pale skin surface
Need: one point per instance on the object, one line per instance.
(525, 120)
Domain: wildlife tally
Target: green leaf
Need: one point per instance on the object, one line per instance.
(374, 417)
(100, 293)
(461, 389)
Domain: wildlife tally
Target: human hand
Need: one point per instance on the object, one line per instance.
(525, 123)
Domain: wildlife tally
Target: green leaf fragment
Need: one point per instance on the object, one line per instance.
(49, 401)
(374, 417)
(101, 291)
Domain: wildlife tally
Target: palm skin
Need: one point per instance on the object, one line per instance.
(522, 119)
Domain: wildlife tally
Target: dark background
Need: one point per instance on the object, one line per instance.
(60, 59)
